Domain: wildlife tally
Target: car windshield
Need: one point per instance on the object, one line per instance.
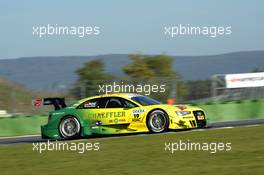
(145, 101)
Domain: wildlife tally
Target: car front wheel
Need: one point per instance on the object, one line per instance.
(157, 121)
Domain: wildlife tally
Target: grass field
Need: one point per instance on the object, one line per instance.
(15, 126)
(145, 155)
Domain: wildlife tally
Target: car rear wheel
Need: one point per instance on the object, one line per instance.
(157, 121)
(70, 127)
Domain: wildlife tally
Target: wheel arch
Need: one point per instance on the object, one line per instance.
(70, 115)
(154, 109)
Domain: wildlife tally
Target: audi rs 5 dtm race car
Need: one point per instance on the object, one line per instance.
(116, 114)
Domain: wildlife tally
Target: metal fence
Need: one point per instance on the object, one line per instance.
(162, 89)
(220, 92)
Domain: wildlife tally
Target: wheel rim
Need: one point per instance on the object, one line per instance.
(158, 122)
(69, 127)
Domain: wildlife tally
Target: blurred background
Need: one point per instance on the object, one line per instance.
(143, 72)
(223, 75)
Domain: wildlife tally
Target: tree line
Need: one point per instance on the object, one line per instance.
(155, 69)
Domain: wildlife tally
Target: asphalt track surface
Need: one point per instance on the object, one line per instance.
(229, 124)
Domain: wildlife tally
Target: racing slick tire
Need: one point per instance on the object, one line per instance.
(157, 121)
(70, 128)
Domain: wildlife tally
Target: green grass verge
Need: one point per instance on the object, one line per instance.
(234, 110)
(14, 126)
(145, 155)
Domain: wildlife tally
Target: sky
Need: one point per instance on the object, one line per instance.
(129, 27)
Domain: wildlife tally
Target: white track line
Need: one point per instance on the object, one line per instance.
(18, 136)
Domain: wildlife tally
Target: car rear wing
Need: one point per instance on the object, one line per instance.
(57, 102)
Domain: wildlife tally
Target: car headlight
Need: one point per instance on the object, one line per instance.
(183, 113)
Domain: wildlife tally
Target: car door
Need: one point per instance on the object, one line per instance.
(135, 114)
(132, 115)
(92, 110)
(117, 111)
(107, 111)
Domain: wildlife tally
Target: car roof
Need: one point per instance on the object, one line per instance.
(123, 95)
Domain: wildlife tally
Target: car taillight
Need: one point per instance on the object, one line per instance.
(49, 118)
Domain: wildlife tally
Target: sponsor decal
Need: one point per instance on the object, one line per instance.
(90, 105)
(181, 123)
(37, 102)
(105, 115)
(136, 118)
(133, 95)
(200, 117)
(188, 117)
(138, 111)
(58, 113)
(122, 120)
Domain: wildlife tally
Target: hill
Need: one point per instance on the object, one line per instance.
(17, 99)
(56, 73)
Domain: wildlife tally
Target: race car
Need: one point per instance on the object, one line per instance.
(116, 114)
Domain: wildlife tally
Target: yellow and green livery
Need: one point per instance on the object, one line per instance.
(117, 114)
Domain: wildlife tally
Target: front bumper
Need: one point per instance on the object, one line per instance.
(196, 120)
(184, 124)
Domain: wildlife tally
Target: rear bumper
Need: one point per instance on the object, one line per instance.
(53, 133)
(49, 133)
